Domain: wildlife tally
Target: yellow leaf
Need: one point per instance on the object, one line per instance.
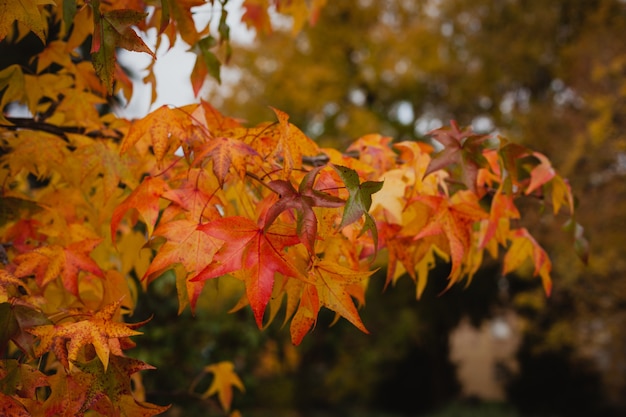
(298, 10)
(26, 12)
(55, 52)
(524, 247)
(224, 379)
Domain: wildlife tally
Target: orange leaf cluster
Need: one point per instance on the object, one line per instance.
(90, 202)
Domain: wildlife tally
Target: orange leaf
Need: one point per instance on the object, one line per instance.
(306, 315)
(145, 200)
(225, 152)
(540, 174)
(133, 408)
(331, 287)
(164, 129)
(256, 16)
(48, 262)
(68, 395)
(180, 12)
(502, 210)
(98, 331)
(216, 123)
(454, 220)
(10, 406)
(292, 143)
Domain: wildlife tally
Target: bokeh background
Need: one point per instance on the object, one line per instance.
(548, 74)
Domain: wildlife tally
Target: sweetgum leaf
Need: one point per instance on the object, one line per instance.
(113, 30)
(462, 147)
(302, 201)
(224, 379)
(256, 252)
(359, 200)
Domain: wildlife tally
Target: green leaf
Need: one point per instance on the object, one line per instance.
(8, 326)
(113, 30)
(14, 208)
(165, 15)
(210, 60)
(69, 11)
(14, 320)
(359, 200)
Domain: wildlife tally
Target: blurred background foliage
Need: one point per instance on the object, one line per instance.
(551, 75)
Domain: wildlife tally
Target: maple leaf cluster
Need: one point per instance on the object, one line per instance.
(93, 206)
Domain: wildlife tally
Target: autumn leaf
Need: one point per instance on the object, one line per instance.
(330, 285)
(524, 247)
(224, 153)
(194, 196)
(100, 162)
(39, 153)
(144, 200)
(112, 381)
(302, 201)
(179, 13)
(20, 379)
(68, 396)
(164, 129)
(99, 330)
(224, 379)
(15, 321)
(207, 58)
(462, 147)
(540, 174)
(26, 12)
(130, 407)
(502, 210)
(256, 16)
(454, 220)
(54, 52)
(292, 143)
(257, 252)
(10, 406)
(306, 305)
(359, 200)
(215, 122)
(187, 244)
(299, 12)
(48, 262)
(12, 85)
(112, 30)
(561, 194)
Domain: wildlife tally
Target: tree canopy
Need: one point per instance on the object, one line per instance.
(95, 208)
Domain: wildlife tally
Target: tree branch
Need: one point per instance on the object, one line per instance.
(19, 123)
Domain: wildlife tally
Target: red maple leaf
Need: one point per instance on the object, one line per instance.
(302, 201)
(257, 252)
